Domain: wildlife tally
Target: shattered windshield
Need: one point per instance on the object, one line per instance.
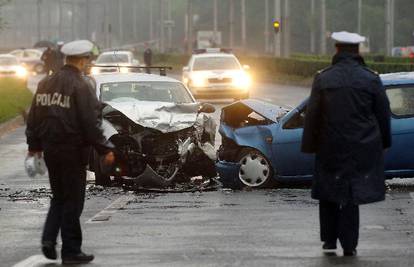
(171, 92)
(216, 63)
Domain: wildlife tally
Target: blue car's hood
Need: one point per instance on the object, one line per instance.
(267, 110)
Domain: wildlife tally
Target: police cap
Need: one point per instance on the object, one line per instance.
(80, 48)
(347, 38)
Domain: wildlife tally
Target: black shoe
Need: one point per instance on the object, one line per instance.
(49, 250)
(77, 259)
(352, 252)
(329, 246)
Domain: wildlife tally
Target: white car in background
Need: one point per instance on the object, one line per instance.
(115, 61)
(10, 66)
(31, 59)
(216, 73)
(160, 132)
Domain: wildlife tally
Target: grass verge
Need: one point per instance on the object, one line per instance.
(14, 98)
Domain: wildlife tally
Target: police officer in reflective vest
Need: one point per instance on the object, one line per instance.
(63, 124)
(347, 126)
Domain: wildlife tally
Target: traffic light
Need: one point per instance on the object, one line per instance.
(276, 26)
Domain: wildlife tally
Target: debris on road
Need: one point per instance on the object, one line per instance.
(196, 184)
(28, 195)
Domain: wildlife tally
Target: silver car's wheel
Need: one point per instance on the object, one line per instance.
(255, 169)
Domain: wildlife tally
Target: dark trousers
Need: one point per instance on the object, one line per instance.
(67, 175)
(339, 222)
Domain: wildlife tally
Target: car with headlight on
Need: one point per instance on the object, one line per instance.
(115, 61)
(261, 142)
(216, 73)
(31, 59)
(10, 66)
(160, 132)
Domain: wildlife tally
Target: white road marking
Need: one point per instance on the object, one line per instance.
(106, 213)
(412, 195)
(32, 261)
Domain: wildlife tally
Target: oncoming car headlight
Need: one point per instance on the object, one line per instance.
(21, 72)
(198, 80)
(95, 70)
(242, 80)
(123, 70)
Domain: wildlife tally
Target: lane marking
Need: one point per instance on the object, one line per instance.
(105, 214)
(412, 195)
(33, 261)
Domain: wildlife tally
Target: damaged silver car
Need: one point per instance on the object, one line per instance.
(161, 134)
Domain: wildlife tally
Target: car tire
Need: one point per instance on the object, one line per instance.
(255, 169)
(100, 178)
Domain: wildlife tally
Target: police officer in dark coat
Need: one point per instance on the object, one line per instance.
(148, 57)
(49, 59)
(347, 126)
(63, 123)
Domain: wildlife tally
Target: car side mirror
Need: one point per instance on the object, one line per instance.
(246, 67)
(206, 108)
(186, 69)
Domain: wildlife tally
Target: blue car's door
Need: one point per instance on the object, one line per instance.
(399, 158)
(291, 162)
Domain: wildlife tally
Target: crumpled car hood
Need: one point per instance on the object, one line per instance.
(162, 116)
(246, 106)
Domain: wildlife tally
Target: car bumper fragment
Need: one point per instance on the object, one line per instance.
(228, 173)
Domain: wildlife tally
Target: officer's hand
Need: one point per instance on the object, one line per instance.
(109, 159)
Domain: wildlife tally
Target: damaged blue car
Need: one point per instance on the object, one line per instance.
(261, 142)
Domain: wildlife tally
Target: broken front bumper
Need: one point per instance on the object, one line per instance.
(228, 172)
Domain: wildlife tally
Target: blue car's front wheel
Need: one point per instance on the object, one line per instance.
(255, 169)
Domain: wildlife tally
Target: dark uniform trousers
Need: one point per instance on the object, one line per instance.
(67, 175)
(339, 222)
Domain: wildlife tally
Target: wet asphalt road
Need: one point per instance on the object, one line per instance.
(222, 228)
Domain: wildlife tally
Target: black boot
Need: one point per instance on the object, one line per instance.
(77, 259)
(329, 245)
(351, 252)
(49, 250)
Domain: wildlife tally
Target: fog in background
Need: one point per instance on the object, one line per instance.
(117, 23)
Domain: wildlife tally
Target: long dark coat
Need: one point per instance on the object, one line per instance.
(347, 126)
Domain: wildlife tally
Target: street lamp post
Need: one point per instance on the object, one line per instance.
(277, 40)
(243, 24)
(215, 23)
(190, 26)
(39, 21)
(359, 16)
(312, 28)
(231, 24)
(323, 27)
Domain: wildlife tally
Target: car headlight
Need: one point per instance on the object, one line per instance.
(242, 80)
(95, 71)
(198, 80)
(123, 70)
(185, 81)
(21, 72)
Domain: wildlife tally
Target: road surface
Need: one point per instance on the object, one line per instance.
(276, 227)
